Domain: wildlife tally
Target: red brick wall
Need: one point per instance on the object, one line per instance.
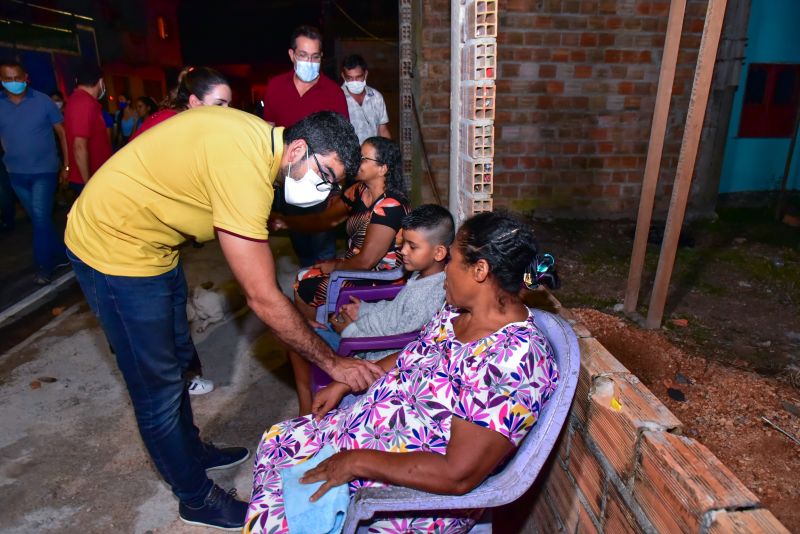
(576, 87)
(621, 466)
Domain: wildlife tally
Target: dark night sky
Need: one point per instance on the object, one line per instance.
(257, 31)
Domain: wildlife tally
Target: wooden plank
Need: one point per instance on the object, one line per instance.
(657, 131)
(715, 14)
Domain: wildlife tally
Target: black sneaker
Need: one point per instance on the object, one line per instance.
(220, 510)
(225, 457)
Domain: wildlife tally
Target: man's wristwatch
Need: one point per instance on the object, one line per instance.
(66, 168)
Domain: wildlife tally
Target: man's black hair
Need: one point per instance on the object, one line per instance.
(353, 61)
(434, 221)
(88, 74)
(328, 132)
(309, 32)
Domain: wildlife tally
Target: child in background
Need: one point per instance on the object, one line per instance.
(428, 231)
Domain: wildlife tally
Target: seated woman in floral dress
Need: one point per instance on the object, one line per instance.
(452, 405)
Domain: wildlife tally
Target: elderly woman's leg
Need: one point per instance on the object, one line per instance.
(283, 445)
(302, 381)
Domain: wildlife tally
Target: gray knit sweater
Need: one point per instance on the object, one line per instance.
(411, 309)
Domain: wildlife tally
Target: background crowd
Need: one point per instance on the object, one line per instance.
(51, 145)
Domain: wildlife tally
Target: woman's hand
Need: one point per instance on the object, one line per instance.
(351, 310)
(335, 471)
(276, 222)
(328, 398)
(327, 266)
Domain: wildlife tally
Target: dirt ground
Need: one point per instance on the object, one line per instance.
(737, 286)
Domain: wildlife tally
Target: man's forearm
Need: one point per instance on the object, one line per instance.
(62, 140)
(81, 152)
(292, 329)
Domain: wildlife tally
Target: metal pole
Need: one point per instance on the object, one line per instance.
(456, 14)
(657, 131)
(701, 87)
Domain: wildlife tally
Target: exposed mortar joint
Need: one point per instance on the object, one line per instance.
(708, 518)
(626, 495)
(553, 511)
(585, 503)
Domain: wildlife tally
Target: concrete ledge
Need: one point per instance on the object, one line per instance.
(24, 306)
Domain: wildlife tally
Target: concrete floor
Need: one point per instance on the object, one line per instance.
(71, 459)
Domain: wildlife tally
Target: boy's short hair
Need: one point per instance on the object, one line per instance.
(435, 221)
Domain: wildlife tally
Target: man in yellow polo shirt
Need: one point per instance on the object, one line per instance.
(208, 171)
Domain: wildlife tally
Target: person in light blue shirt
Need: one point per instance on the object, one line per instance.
(28, 119)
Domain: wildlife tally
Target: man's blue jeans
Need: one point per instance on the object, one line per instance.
(37, 193)
(145, 321)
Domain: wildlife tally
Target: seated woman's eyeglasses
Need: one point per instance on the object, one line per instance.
(379, 162)
(302, 56)
(326, 184)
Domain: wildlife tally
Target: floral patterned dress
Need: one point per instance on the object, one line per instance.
(499, 382)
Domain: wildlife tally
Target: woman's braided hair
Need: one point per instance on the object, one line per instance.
(506, 243)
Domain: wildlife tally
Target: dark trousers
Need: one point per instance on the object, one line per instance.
(145, 321)
(8, 201)
(309, 248)
(313, 248)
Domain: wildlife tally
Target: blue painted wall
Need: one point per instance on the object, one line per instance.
(757, 164)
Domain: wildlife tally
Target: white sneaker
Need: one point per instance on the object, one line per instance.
(200, 386)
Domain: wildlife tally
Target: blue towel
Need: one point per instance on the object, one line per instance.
(330, 336)
(326, 516)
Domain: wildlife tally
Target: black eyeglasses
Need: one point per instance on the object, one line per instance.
(379, 162)
(326, 184)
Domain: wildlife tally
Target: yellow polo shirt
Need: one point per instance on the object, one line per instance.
(208, 167)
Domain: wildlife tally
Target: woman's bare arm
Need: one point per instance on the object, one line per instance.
(377, 241)
(472, 454)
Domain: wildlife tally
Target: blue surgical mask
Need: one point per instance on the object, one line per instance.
(308, 71)
(15, 88)
(122, 105)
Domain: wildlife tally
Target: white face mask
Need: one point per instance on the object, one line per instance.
(304, 192)
(308, 71)
(356, 87)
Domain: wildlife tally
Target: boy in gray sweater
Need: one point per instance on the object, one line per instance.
(428, 231)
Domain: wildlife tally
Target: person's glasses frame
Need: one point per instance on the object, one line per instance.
(303, 56)
(326, 184)
(379, 162)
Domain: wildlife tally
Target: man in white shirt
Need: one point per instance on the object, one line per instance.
(364, 104)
